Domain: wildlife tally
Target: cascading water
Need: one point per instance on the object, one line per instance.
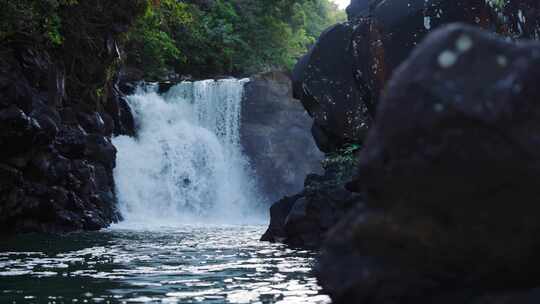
(186, 163)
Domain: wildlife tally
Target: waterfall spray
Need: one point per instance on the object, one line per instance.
(186, 163)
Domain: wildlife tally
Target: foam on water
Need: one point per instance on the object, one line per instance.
(186, 164)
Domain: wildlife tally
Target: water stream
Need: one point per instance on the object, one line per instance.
(186, 163)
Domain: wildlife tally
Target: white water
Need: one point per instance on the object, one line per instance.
(186, 164)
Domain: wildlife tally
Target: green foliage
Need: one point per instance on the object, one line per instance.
(154, 46)
(497, 4)
(227, 36)
(345, 156)
(37, 20)
(188, 37)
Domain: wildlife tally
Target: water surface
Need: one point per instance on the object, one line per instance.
(189, 264)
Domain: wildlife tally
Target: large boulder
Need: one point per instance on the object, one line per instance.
(304, 219)
(325, 84)
(358, 8)
(275, 135)
(341, 79)
(452, 173)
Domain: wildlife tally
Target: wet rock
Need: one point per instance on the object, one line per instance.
(100, 149)
(455, 140)
(56, 86)
(278, 214)
(92, 123)
(118, 109)
(304, 219)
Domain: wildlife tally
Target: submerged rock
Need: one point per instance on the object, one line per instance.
(451, 169)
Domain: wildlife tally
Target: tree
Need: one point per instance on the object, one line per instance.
(235, 37)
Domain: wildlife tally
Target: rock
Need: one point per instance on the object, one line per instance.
(358, 8)
(71, 141)
(278, 214)
(92, 123)
(17, 131)
(118, 108)
(455, 140)
(304, 219)
(275, 136)
(10, 176)
(343, 76)
(326, 85)
(101, 150)
(56, 159)
(56, 86)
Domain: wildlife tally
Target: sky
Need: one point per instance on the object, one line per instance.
(342, 3)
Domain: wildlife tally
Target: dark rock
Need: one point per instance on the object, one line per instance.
(456, 140)
(10, 176)
(128, 77)
(275, 136)
(69, 116)
(92, 123)
(58, 109)
(358, 8)
(278, 213)
(71, 141)
(57, 86)
(328, 89)
(341, 79)
(118, 108)
(17, 131)
(304, 219)
(165, 86)
(100, 149)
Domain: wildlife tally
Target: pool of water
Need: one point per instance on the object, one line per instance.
(188, 264)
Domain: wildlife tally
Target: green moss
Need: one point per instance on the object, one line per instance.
(343, 157)
(498, 5)
(99, 92)
(342, 164)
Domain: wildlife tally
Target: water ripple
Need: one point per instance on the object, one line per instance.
(189, 264)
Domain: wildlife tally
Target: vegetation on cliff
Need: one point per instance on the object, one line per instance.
(83, 38)
(190, 37)
(226, 37)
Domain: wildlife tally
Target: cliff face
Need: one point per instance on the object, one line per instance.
(275, 136)
(59, 107)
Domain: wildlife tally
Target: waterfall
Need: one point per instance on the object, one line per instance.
(186, 163)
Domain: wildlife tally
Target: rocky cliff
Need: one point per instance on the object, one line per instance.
(59, 106)
(275, 136)
(443, 129)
